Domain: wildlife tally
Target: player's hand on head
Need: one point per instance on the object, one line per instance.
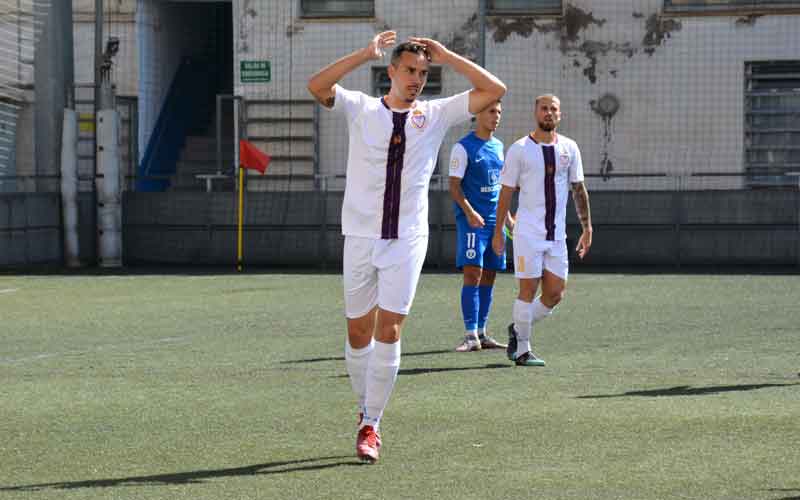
(379, 42)
(435, 50)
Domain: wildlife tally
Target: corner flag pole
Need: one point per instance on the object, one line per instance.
(249, 157)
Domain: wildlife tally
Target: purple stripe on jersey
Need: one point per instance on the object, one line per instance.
(394, 167)
(549, 154)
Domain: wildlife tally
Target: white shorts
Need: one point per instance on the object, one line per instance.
(531, 255)
(381, 272)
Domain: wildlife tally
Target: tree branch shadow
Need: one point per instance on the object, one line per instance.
(686, 390)
(786, 490)
(341, 358)
(196, 477)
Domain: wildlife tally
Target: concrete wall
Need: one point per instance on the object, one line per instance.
(30, 229)
(631, 228)
(757, 228)
(679, 80)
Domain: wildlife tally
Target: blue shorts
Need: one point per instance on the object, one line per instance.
(474, 247)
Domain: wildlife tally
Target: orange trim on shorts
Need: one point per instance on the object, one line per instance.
(521, 263)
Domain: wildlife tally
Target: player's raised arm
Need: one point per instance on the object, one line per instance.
(581, 198)
(487, 88)
(321, 85)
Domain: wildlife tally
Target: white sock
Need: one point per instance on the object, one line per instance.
(523, 325)
(357, 361)
(540, 311)
(482, 331)
(472, 334)
(381, 375)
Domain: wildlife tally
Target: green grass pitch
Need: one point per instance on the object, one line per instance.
(234, 387)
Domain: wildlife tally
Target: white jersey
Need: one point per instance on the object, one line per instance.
(391, 157)
(543, 172)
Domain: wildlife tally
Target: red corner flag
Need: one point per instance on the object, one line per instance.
(251, 157)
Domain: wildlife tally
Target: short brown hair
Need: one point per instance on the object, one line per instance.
(409, 47)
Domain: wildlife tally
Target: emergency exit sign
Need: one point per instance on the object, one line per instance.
(255, 71)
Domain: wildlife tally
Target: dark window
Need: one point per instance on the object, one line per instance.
(381, 82)
(531, 7)
(735, 6)
(772, 123)
(337, 8)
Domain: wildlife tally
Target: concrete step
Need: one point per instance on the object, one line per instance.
(258, 109)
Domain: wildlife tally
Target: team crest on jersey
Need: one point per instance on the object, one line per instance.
(494, 176)
(418, 119)
(564, 159)
(550, 169)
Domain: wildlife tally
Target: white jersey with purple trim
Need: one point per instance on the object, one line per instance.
(543, 173)
(371, 129)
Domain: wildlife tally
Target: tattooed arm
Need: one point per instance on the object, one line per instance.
(321, 85)
(581, 198)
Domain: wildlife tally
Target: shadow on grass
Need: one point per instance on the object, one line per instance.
(424, 371)
(686, 390)
(196, 477)
(341, 358)
(786, 490)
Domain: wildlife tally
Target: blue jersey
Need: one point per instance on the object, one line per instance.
(478, 163)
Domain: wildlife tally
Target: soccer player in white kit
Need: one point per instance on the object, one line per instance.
(393, 145)
(544, 166)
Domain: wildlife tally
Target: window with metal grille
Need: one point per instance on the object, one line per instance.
(772, 123)
(530, 7)
(737, 6)
(337, 8)
(381, 82)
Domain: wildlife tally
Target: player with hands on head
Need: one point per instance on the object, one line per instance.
(393, 145)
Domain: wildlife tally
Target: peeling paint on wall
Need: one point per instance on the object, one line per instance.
(466, 40)
(592, 49)
(607, 106)
(749, 20)
(658, 30)
(569, 25)
(294, 29)
(576, 20)
(246, 21)
(573, 23)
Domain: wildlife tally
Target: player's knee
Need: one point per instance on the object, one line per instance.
(472, 275)
(388, 333)
(552, 298)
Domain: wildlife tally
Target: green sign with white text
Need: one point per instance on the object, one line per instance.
(255, 71)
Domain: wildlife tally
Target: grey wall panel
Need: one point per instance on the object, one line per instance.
(649, 228)
(740, 207)
(44, 246)
(13, 248)
(30, 229)
(43, 210)
(757, 246)
(621, 245)
(626, 207)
